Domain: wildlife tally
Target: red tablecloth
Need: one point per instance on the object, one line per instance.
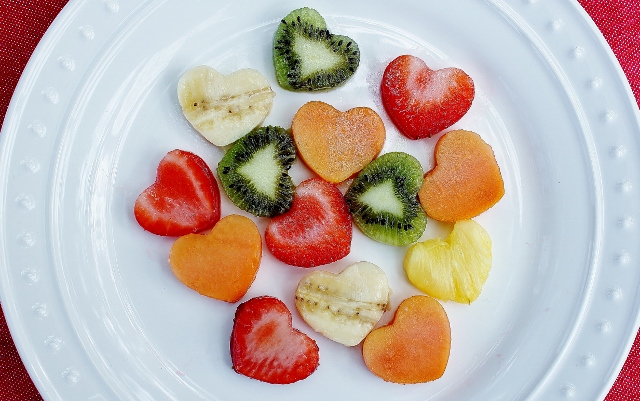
(23, 22)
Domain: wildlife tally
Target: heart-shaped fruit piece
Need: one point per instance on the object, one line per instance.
(254, 171)
(344, 307)
(265, 346)
(454, 269)
(422, 102)
(221, 264)
(316, 230)
(184, 198)
(383, 199)
(307, 57)
(334, 144)
(224, 108)
(465, 180)
(414, 347)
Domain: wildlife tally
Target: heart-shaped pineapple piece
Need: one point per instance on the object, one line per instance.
(336, 145)
(221, 264)
(454, 269)
(224, 108)
(344, 307)
(465, 181)
(414, 347)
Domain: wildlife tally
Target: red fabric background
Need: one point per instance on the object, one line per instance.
(23, 22)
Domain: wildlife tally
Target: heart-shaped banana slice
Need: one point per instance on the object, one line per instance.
(224, 108)
(344, 307)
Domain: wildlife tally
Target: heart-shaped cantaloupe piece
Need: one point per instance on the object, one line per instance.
(336, 145)
(414, 347)
(221, 264)
(465, 181)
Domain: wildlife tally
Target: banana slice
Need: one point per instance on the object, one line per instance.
(224, 108)
(344, 307)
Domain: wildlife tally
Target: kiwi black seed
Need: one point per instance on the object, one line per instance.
(383, 199)
(308, 57)
(254, 171)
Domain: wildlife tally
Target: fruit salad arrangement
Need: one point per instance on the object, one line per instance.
(389, 198)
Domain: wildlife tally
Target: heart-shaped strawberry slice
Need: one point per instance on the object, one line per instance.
(422, 102)
(266, 347)
(414, 347)
(221, 264)
(184, 198)
(316, 230)
(336, 145)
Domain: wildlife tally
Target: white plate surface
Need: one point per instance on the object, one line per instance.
(96, 312)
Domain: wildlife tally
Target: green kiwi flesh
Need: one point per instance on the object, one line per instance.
(307, 57)
(383, 199)
(254, 171)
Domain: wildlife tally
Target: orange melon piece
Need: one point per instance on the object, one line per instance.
(336, 145)
(465, 180)
(414, 347)
(221, 264)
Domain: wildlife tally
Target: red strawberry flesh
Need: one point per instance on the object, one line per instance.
(422, 102)
(184, 198)
(316, 230)
(265, 346)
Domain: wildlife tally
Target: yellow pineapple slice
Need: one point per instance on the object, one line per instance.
(454, 269)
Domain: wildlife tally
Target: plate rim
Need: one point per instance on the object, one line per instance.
(34, 67)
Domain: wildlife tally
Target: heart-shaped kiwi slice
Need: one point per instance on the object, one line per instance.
(308, 57)
(254, 172)
(383, 199)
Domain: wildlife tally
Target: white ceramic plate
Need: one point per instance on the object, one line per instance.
(96, 312)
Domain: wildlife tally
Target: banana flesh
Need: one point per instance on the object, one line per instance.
(224, 108)
(344, 307)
